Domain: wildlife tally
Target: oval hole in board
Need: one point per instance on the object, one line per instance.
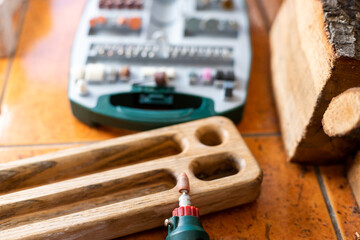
(215, 166)
(211, 135)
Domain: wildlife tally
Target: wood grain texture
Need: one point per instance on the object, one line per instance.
(307, 74)
(289, 188)
(125, 185)
(342, 117)
(346, 211)
(283, 182)
(96, 160)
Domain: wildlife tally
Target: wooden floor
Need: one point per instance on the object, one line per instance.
(296, 202)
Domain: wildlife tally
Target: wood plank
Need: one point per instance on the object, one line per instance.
(117, 184)
(290, 189)
(309, 69)
(347, 212)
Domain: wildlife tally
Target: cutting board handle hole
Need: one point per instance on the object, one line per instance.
(216, 166)
(211, 135)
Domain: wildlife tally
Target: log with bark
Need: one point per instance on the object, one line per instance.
(315, 57)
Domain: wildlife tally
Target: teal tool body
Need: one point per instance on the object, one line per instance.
(186, 227)
(185, 222)
(147, 64)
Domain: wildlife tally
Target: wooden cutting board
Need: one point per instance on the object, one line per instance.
(127, 184)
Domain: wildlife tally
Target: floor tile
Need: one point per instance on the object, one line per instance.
(343, 203)
(259, 114)
(35, 108)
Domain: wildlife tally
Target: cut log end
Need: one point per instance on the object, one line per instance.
(342, 117)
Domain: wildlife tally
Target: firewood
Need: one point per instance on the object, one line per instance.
(315, 57)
